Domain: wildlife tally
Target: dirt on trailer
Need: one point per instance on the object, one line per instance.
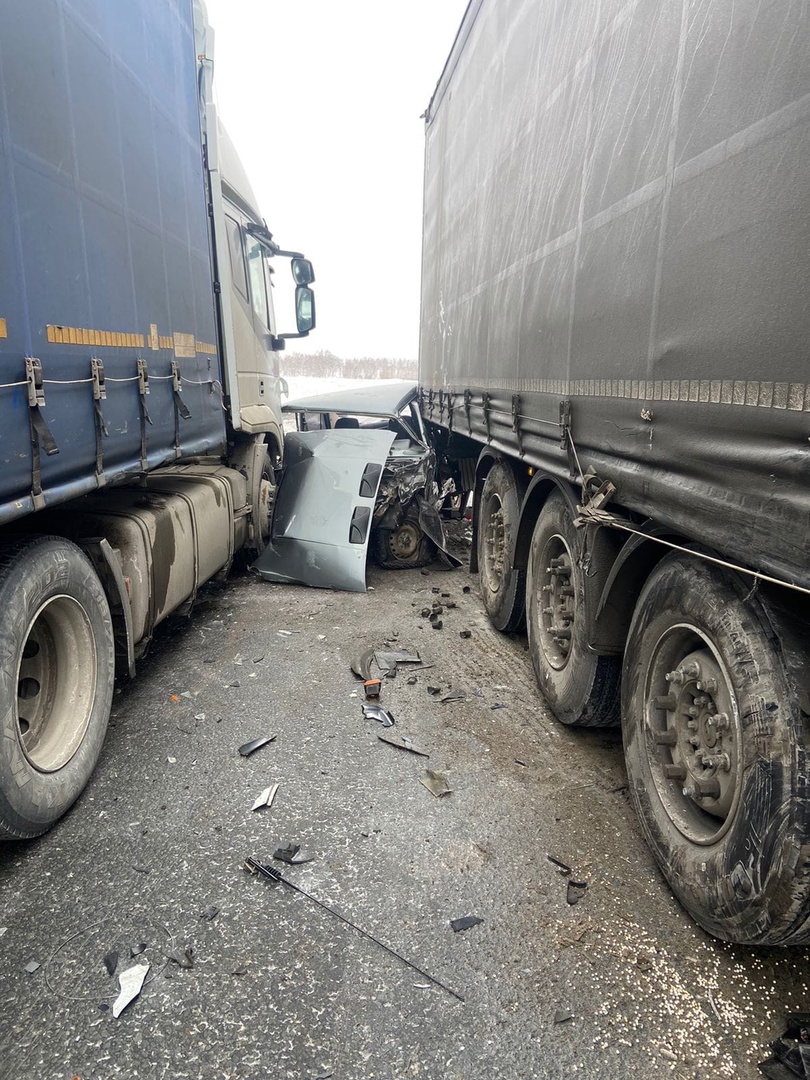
(507, 918)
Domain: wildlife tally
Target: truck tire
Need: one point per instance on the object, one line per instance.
(716, 755)
(56, 681)
(503, 588)
(581, 688)
(405, 547)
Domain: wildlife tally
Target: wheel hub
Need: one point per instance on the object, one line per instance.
(56, 683)
(495, 544)
(404, 541)
(557, 602)
(693, 732)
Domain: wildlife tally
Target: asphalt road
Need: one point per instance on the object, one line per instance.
(620, 984)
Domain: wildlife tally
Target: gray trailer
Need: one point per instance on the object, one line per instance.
(139, 384)
(614, 359)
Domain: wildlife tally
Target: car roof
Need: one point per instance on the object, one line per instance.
(373, 399)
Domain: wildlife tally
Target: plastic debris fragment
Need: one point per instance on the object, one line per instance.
(32, 966)
(290, 855)
(454, 695)
(465, 633)
(138, 948)
(562, 1015)
(130, 983)
(184, 958)
(246, 749)
(210, 912)
(575, 892)
(111, 962)
(402, 743)
(564, 867)
(464, 923)
(266, 797)
(436, 783)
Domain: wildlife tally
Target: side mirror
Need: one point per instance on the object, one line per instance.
(304, 309)
(302, 271)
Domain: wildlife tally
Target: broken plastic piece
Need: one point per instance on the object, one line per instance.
(377, 712)
(399, 656)
(289, 855)
(402, 743)
(464, 923)
(564, 867)
(562, 1015)
(130, 981)
(210, 912)
(437, 625)
(372, 688)
(111, 962)
(137, 949)
(183, 958)
(455, 695)
(246, 749)
(434, 690)
(575, 892)
(436, 783)
(32, 966)
(465, 633)
(266, 797)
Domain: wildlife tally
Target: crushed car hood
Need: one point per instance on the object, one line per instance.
(324, 508)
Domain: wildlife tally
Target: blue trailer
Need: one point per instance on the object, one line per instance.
(140, 424)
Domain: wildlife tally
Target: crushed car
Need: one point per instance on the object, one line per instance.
(359, 475)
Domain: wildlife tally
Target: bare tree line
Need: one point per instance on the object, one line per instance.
(325, 364)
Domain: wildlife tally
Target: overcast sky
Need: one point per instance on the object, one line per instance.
(323, 100)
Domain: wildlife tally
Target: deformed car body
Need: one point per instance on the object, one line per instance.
(359, 472)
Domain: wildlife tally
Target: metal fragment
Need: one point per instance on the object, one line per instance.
(377, 712)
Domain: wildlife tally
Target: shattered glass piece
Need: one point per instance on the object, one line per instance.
(130, 983)
(210, 912)
(575, 892)
(436, 783)
(464, 923)
(402, 743)
(246, 749)
(32, 966)
(266, 797)
(377, 712)
(111, 962)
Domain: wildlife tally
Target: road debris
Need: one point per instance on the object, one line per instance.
(403, 744)
(564, 867)
(465, 634)
(32, 966)
(289, 854)
(464, 923)
(377, 712)
(184, 958)
(561, 1016)
(575, 891)
(246, 749)
(791, 1051)
(436, 783)
(130, 983)
(138, 948)
(266, 797)
(454, 695)
(372, 688)
(111, 962)
(209, 913)
(270, 872)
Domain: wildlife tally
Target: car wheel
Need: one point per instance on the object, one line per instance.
(404, 547)
(56, 681)
(582, 689)
(715, 745)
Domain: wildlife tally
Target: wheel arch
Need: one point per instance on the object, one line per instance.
(541, 486)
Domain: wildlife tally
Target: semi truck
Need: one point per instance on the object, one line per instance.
(139, 381)
(614, 361)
